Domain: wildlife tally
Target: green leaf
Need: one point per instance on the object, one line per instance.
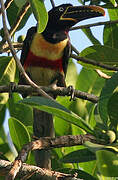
(106, 94)
(113, 14)
(2, 115)
(114, 3)
(19, 133)
(82, 155)
(5, 150)
(40, 14)
(57, 154)
(94, 147)
(99, 127)
(93, 85)
(113, 109)
(71, 76)
(55, 108)
(3, 63)
(31, 159)
(62, 127)
(2, 135)
(90, 36)
(7, 76)
(3, 158)
(9, 72)
(102, 54)
(93, 82)
(89, 167)
(13, 13)
(20, 3)
(80, 174)
(91, 119)
(30, 130)
(22, 112)
(107, 163)
(110, 35)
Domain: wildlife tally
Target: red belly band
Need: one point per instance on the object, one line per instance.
(37, 61)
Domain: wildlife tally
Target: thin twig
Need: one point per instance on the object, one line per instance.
(95, 24)
(90, 61)
(52, 2)
(16, 45)
(20, 67)
(74, 49)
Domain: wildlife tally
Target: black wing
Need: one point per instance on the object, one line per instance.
(61, 79)
(27, 43)
(67, 52)
(24, 53)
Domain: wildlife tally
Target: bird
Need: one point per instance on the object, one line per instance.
(45, 58)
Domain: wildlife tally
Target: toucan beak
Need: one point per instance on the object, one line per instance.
(79, 13)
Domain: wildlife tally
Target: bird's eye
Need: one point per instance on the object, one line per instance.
(61, 9)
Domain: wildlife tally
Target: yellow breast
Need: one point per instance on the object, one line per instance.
(40, 47)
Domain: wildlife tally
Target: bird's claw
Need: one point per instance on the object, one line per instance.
(71, 93)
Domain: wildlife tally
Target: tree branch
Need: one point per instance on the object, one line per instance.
(58, 91)
(5, 166)
(94, 24)
(46, 143)
(90, 61)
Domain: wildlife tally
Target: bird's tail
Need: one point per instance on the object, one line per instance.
(43, 127)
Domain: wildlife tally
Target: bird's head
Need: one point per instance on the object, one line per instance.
(65, 16)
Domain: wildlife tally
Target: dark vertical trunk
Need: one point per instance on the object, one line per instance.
(43, 127)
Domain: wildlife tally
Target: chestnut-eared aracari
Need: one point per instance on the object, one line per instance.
(45, 59)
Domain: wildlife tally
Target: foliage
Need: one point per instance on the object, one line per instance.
(90, 161)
